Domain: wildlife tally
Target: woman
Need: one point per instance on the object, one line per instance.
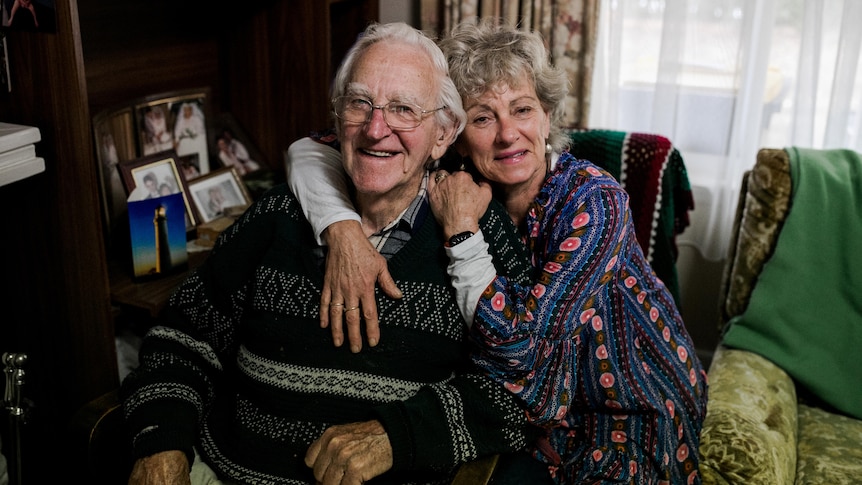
(594, 346)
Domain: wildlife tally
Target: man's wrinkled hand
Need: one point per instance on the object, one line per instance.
(353, 267)
(165, 468)
(350, 454)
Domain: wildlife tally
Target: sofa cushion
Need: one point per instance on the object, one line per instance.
(763, 205)
(829, 449)
(749, 433)
(805, 313)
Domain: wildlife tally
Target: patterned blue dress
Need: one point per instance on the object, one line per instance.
(594, 345)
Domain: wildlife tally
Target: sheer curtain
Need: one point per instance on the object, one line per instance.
(568, 27)
(723, 78)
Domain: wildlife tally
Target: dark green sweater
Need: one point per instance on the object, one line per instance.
(242, 370)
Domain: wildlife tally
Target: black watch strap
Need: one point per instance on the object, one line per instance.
(459, 238)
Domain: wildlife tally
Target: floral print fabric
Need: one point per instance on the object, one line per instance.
(595, 346)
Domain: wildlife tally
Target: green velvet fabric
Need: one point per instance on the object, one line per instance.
(805, 312)
(829, 448)
(749, 434)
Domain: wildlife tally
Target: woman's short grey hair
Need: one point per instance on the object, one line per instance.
(483, 54)
(453, 115)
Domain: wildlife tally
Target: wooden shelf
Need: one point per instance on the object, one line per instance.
(13, 172)
(149, 296)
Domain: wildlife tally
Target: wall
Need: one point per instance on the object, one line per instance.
(400, 11)
(699, 281)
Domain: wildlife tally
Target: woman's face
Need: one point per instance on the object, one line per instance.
(506, 134)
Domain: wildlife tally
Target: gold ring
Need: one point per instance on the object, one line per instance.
(440, 176)
(351, 309)
(336, 304)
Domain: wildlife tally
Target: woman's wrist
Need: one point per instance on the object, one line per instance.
(457, 239)
(450, 230)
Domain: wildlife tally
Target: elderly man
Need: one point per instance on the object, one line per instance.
(243, 383)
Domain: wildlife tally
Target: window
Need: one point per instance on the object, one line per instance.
(723, 78)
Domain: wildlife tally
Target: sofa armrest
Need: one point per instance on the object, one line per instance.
(749, 433)
(476, 472)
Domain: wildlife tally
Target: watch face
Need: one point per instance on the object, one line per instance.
(459, 238)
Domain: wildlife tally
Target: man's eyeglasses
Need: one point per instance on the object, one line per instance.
(397, 114)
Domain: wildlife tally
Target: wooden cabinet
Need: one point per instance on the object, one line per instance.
(267, 62)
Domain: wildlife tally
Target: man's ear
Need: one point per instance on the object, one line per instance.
(445, 138)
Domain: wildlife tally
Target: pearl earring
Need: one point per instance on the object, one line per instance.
(548, 147)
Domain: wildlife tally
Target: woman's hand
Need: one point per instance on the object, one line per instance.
(353, 267)
(457, 201)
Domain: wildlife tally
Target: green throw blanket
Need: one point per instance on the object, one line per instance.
(805, 313)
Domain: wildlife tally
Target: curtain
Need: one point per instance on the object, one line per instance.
(568, 27)
(723, 78)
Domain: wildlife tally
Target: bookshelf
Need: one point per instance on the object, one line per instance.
(267, 62)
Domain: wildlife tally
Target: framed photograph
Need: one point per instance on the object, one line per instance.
(32, 15)
(232, 147)
(176, 121)
(158, 236)
(218, 191)
(114, 141)
(155, 176)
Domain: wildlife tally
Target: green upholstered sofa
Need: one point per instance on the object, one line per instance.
(761, 426)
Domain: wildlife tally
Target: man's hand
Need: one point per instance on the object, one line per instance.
(353, 266)
(350, 454)
(165, 468)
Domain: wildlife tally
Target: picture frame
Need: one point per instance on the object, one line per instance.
(214, 193)
(178, 121)
(114, 142)
(36, 15)
(231, 146)
(156, 175)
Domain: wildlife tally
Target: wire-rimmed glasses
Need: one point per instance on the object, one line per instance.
(397, 114)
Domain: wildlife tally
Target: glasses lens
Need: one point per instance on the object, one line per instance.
(352, 109)
(402, 115)
(397, 115)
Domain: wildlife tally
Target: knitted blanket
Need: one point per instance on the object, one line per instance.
(652, 172)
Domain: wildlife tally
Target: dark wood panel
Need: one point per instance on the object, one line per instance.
(279, 68)
(276, 67)
(137, 48)
(115, 80)
(56, 307)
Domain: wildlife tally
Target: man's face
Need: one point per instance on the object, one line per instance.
(378, 159)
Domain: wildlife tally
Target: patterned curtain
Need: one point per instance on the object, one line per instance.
(568, 27)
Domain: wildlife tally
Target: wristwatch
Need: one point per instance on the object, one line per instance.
(459, 238)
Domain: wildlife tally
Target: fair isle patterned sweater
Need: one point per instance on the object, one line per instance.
(595, 346)
(242, 370)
